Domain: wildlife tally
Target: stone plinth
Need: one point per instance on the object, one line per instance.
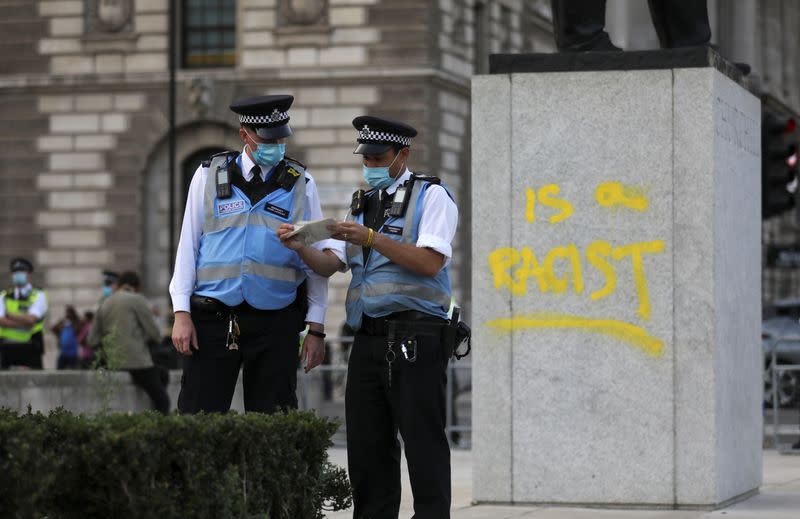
(616, 281)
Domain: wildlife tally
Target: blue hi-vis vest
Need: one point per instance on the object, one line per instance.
(241, 257)
(381, 287)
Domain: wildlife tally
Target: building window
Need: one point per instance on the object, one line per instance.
(209, 33)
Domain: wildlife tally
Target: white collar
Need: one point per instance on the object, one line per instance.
(22, 291)
(247, 166)
(400, 180)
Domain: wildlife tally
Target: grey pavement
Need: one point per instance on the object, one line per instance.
(779, 497)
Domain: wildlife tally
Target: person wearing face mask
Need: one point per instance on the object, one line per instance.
(397, 243)
(240, 298)
(22, 312)
(110, 283)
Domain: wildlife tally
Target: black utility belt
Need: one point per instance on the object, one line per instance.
(410, 320)
(209, 305)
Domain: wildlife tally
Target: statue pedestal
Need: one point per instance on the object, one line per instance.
(616, 281)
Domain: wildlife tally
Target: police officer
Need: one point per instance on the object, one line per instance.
(22, 312)
(240, 298)
(110, 283)
(398, 245)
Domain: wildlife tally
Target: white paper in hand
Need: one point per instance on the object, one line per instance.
(312, 232)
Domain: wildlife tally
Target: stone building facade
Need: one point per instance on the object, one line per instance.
(84, 184)
(84, 104)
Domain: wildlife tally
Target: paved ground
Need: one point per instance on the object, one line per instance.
(779, 497)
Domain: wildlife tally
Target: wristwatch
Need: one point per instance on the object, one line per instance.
(315, 333)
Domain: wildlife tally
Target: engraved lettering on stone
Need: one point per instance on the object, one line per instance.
(734, 127)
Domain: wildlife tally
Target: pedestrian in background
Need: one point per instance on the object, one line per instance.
(85, 353)
(66, 332)
(125, 327)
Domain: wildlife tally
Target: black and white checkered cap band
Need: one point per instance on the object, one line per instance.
(367, 134)
(275, 117)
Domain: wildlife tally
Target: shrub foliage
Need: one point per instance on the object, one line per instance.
(148, 465)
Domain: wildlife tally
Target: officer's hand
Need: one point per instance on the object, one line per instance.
(350, 232)
(292, 243)
(313, 352)
(184, 336)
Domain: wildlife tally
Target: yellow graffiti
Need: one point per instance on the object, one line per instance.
(547, 197)
(596, 254)
(630, 333)
(559, 285)
(530, 205)
(511, 269)
(610, 194)
(635, 251)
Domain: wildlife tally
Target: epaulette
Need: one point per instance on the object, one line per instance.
(295, 161)
(292, 165)
(426, 178)
(206, 163)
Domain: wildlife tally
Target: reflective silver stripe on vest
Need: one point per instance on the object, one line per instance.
(400, 289)
(412, 207)
(218, 224)
(299, 206)
(209, 222)
(273, 272)
(258, 269)
(265, 220)
(219, 272)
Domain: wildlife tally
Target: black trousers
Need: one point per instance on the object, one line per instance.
(268, 354)
(154, 383)
(580, 24)
(414, 405)
(28, 355)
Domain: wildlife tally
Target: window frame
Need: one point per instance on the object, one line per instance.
(226, 59)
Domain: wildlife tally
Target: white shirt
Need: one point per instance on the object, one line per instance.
(183, 280)
(437, 225)
(38, 307)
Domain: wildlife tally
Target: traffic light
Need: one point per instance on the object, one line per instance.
(779, 164)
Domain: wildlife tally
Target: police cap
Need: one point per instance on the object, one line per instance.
(19, 264)
(109, 277)
(377, 134)
(268, 115)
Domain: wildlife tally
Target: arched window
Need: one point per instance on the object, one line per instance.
(209, 33)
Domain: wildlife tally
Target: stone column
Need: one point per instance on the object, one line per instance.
(616, 281)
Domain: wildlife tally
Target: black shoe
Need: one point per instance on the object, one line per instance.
(599, 43)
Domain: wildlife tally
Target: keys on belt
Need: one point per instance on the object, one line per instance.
(233, 332)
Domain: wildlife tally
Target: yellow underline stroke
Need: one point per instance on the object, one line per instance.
(630, 333)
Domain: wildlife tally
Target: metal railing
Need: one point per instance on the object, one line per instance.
(776, 370)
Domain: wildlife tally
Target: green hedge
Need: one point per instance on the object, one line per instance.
(152, 466)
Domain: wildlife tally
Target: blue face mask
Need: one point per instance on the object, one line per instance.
(19, 279)
(107, 291)
(379, 178)
(268, 155)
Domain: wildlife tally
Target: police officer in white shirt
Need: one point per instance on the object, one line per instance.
(397, 243)
(22, 312)
(240, 298)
